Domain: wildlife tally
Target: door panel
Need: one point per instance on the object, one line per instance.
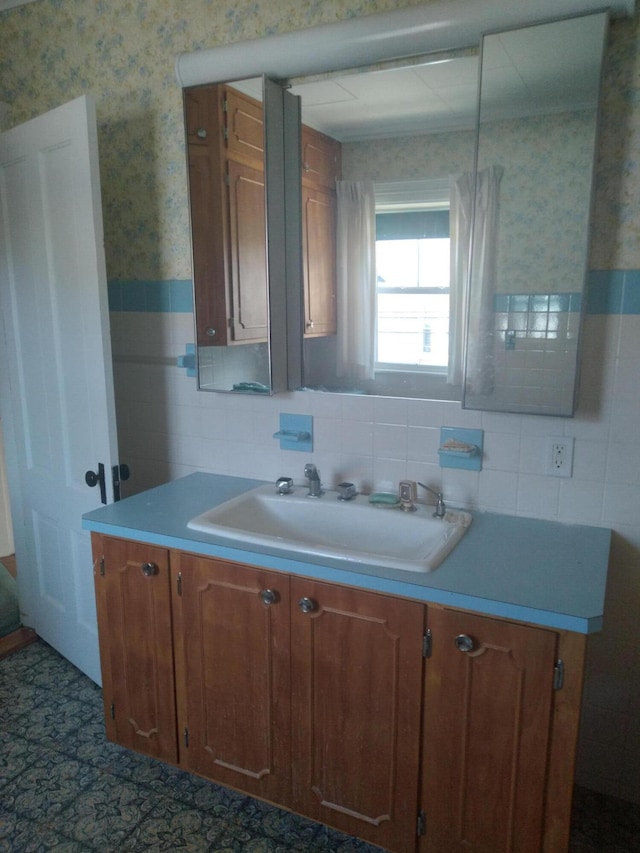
(56, 385)
(493, 703)
(235, 675)
(356, 686)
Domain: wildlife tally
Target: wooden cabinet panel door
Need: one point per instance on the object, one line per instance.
(319, 254)
(356, 683)
(233, 681)
(136, 649)
(486, 734)
(248, 253)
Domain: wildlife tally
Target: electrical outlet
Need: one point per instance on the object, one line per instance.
(560, 456)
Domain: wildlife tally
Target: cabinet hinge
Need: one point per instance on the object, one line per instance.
(102, 566)
(225, 105)
(113, 710)
(558, 675)
(225, 134)
(426, 644)
(186, 738)
(227, 181)
(179, 583)
(421, 824)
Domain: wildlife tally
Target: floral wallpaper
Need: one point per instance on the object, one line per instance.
(123, 52)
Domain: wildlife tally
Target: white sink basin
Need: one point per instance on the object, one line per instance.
(354, 530)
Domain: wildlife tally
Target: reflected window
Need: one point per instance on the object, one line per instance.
(412, 289)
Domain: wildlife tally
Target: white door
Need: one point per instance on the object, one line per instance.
(56, 383)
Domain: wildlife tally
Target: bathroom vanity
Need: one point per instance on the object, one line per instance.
(421, 712)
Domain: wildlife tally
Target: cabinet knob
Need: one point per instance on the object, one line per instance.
(201, 133)
(310, 324)
(465, 643)
(269, 596)
(307, 605)
(149, 569)
(210, 332)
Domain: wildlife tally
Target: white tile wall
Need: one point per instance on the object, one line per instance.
(167, 429)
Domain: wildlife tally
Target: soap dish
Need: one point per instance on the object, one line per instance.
(453, 447)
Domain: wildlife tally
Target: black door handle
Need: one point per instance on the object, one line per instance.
(92, 478)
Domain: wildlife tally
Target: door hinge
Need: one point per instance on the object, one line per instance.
(186, 737)
(102, 566)
(558, 675)
(426, 644)
(179, 583)
(421, 824)
(113, 710)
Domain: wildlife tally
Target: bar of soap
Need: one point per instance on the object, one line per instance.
(384, 499)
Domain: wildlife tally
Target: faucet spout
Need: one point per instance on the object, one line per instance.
(313, 476)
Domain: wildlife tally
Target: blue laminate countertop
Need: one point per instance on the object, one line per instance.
(542, 572)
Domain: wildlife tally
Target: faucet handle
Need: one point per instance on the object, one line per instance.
(284, 485)
(346, 491)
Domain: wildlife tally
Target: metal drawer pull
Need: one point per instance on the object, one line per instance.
(465, 643)
(269, 596)
(307, 605)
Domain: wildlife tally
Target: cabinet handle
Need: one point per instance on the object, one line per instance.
(307, 605)
(310, 324)
(269, 596)
(149, 569)
(464, 643)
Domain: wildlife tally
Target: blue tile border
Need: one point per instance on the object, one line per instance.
(169, 295)
(608, 292)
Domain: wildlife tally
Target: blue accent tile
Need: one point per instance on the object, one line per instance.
(296, 432)
(158, 295)
(133, 296)
(631, 293)
(559, 302)
(604, 291)
(575, 303)
(182, 296)
(114, 291)
(501, 303)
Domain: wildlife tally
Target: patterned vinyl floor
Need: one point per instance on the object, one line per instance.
(64, 788)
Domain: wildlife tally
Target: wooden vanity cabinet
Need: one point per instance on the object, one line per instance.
(419, 728)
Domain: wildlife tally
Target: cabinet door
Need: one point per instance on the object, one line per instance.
(248, 253)
(486, 734)
(321, 159)
(233, 648)
(207, 199)
(356, 697)
(319, 254)
(136, 648)
(244, 122)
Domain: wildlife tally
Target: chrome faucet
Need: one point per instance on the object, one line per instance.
(441, 507)
(313, 476)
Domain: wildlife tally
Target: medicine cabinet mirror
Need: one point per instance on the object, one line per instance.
(387, 162)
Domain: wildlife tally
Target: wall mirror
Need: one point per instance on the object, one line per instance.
(410, 167)
(234, 133)
(538, 115)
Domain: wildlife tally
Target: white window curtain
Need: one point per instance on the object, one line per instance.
(356, 270)
(473, 278)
